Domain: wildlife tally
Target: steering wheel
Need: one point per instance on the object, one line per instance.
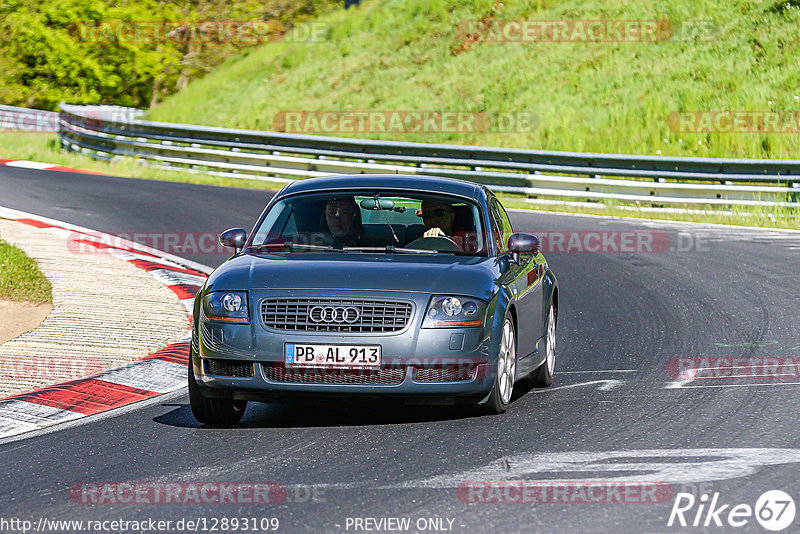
(442, 243)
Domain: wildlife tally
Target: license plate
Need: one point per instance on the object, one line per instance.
(344, 356)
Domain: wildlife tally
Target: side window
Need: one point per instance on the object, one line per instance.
(501, 218)
(497, 234)
(278, 225)
(505, 222)
(290, 228)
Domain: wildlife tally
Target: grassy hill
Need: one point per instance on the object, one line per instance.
(586, 96)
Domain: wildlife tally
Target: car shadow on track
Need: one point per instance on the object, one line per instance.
(295, 413)
(301, 413)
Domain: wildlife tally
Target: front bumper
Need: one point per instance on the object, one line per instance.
(458, 352)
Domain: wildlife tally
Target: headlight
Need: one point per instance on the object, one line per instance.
(448, 311)
(228, 306)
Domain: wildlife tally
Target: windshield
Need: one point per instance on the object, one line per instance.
(381, 221)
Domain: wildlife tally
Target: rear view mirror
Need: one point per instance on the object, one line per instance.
(233, 237)
(383, 204)
(377, 204)
(522, 243)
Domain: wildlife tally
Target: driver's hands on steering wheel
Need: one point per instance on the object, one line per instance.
(434, 232)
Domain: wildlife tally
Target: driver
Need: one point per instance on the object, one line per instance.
(343, 217)
(438, 217)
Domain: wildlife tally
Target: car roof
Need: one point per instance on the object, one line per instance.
(422, 183)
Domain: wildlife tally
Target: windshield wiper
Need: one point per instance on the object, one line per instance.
(291, 246)
(391, 249)
(308, 246)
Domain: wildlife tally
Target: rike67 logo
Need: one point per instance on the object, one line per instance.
(774, 510)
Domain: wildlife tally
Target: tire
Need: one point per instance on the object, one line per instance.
(213, 411)
(503, 388)
(543, 376)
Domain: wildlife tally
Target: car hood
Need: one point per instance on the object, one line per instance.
(463, 275)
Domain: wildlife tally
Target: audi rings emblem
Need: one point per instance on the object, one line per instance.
(334, 314)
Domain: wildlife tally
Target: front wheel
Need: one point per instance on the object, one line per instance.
(213, 411)
(543, 376)
(500, 397)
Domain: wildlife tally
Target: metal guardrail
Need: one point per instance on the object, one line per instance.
(14, 119)
(275, 156)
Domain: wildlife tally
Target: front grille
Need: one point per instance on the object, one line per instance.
(229, 368)
(445, 374)
(277, 372)
(374, 316)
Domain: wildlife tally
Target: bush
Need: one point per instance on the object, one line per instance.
(74, 50)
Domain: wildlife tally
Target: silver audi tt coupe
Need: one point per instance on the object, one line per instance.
(373, 286)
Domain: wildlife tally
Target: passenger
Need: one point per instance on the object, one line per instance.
(343, 217)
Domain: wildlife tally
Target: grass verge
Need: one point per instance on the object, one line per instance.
(20, 277)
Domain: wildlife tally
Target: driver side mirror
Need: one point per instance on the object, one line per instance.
(522, 243)
(233, 237)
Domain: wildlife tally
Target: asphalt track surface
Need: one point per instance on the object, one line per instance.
(622, 318)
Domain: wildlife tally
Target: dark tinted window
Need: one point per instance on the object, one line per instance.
(500, 217)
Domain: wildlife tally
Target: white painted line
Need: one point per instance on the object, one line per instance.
(598, 371)
(12, 427)
(129, 255)
(674, 466)
(154, 375)
(665, 222)
(30, 412)
(739, 377)
(25, 164)
(171, 278)
(60, 232)
(679, 385)
(607, 385)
